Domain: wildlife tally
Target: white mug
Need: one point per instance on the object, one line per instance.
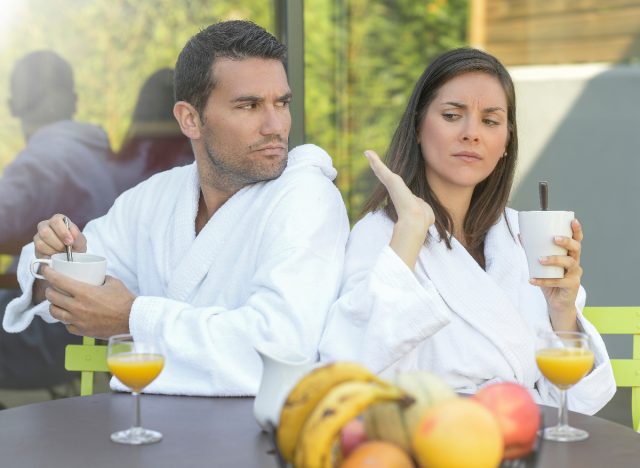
(537, 232)
(87, 268)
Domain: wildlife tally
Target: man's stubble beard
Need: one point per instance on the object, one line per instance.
(233, 172)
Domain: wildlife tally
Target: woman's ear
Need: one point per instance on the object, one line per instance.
(188, 119)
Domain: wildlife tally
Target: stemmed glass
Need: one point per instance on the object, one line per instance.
(136, 364)
(564, 358)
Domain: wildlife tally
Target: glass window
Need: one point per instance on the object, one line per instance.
(362, 59)
(84, 85)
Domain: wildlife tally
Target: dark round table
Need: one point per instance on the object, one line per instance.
(218, 432)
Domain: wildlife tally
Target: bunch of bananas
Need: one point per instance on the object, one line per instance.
(321, 403)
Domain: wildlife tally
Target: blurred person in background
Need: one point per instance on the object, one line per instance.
(63, 168)
(153, 142)
(64, 165)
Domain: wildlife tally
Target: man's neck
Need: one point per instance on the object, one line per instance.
(211, 199)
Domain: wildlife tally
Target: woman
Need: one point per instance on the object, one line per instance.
(153, 143)
(435, 277)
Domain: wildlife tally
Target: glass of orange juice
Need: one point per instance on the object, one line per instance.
(136, 364)
(564, 358)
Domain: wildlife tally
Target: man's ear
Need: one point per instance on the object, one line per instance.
(188, 119)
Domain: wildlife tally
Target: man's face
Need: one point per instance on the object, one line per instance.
(245, 124)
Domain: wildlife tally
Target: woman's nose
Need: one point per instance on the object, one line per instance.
(470, 132)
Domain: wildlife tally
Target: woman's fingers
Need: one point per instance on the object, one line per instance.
(576, 227)
(564, 261)
(382, 172)
(411, 210)
(398, 190)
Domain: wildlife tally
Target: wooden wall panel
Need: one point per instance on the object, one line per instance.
(531, 32)
(510, 8)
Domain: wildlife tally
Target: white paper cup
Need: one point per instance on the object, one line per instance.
(537, 230)
(87, 268)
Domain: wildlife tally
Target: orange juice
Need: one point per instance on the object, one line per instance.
(136, 370)
(564, 367)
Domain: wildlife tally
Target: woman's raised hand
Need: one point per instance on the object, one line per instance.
(415, 216)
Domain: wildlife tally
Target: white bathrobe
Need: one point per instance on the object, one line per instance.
(451, 317)
(265, 268)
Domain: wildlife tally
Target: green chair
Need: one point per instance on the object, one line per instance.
(622, 321)
(86, 358)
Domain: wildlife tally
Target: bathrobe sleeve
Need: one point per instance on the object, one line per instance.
(383, 312)
(118, 239)
(296, 279)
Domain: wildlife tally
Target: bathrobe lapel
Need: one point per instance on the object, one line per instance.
(191, 257)
(487, 300)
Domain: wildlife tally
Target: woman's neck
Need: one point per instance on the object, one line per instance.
(456, 202)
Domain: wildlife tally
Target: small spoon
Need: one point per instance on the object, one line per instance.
(543, 189)
(68, 247)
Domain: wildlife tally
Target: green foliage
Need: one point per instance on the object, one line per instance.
(112, 45)
(362, 58)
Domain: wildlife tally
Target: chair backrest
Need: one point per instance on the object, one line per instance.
(8, 281)
(622, 321)
(86, 358)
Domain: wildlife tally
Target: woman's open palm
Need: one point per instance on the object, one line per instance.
(407, 205)
(415, 216)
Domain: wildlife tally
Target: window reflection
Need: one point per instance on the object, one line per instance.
(85, 118)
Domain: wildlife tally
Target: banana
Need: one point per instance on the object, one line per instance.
(307, 393)
(343, 403)
(385, 421)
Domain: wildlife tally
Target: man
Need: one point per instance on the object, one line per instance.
(64, 166)
(216, 257)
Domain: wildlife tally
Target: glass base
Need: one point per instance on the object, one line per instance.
(136, 436)
(561, 433)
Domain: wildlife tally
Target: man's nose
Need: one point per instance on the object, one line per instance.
(275, 121)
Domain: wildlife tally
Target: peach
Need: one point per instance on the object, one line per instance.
(516, 413)
(352, 434)
(377, 454)
(458, 433)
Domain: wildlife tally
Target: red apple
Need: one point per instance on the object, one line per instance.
(352, 435)
(517, 414)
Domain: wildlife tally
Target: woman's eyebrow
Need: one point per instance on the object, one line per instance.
(464, 106)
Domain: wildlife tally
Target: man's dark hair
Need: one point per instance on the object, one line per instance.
(236, 40)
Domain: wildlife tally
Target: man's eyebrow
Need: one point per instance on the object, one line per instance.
(253, 99)
(464, 106)
(248, 99)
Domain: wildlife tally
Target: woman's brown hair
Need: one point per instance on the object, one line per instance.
(404, 156)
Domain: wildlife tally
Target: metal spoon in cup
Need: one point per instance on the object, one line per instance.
(543, 189)
(68, 247)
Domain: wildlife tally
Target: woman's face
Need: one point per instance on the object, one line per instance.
(464, 132)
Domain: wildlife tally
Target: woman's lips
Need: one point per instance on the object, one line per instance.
(468, 156)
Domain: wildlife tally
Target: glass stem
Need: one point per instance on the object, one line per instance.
(563, 413)
(136, 396)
